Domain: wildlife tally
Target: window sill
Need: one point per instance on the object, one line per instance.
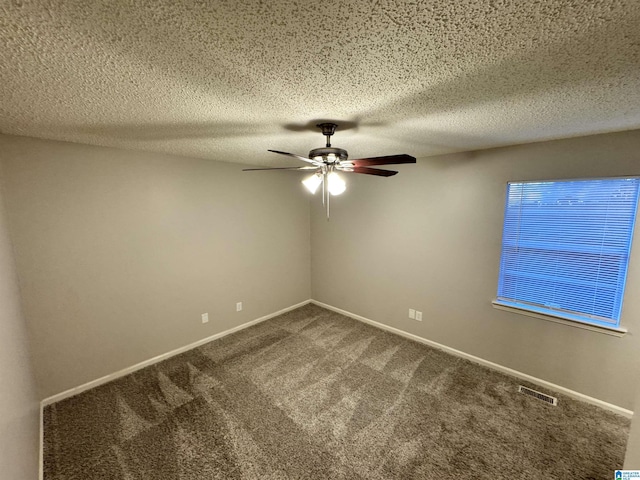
(613, 331)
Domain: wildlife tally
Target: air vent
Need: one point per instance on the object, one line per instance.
(540, 396)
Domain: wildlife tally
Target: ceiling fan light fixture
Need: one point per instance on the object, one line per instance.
(328, 159)
(336, 184)
(312, 182)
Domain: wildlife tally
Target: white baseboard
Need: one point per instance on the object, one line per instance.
(126, 371)
(514, 373)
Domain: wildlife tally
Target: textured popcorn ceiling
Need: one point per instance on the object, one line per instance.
(227, 80)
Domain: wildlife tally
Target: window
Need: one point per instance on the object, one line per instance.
(565, 248)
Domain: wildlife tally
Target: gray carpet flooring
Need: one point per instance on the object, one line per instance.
(315, 395)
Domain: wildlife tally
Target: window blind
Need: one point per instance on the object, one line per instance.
(566, 245)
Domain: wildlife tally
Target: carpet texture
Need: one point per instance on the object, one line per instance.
(315, 395)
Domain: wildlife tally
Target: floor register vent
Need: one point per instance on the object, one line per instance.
(540, 396)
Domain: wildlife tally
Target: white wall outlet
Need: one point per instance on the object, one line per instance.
(205, 318)
(418, 316)
(412, 313)
(239, 307)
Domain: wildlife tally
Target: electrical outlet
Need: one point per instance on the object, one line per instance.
(418, 316)
(205, 318)
(239, 307)
(412, 313)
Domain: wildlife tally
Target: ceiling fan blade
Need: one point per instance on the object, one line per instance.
(388, 160)
(299, 157)
(279, 168)
(370, 171)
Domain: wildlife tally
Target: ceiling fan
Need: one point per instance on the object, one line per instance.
(328, 160)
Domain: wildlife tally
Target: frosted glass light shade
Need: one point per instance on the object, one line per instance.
(312, 182)
(336, 184)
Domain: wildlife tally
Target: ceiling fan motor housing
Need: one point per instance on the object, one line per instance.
(328, 154)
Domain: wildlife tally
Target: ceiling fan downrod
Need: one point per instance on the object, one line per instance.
(328, 129)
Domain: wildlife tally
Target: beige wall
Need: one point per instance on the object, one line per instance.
(19, 406)
(429, 239)
(118, 252)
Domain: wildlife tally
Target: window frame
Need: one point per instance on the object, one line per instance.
(585, 320)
